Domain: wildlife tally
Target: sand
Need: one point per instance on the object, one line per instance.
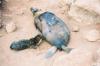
(84, 53)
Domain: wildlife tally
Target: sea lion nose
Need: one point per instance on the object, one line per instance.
(34, 10)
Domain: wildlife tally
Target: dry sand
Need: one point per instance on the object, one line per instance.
(85, 53)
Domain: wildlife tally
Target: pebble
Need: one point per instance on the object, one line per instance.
(11, 27)
(92, 35)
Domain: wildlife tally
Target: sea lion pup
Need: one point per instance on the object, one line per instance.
(52, 29)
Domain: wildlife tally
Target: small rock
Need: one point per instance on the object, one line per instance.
(11, 27)
(92, 35)
(83, 15)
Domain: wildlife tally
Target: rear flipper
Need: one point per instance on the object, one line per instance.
(51, 52)
(23, 44)
(66, 49)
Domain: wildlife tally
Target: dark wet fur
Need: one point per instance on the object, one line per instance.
(20, 45)
(23, 44)
(56, 21)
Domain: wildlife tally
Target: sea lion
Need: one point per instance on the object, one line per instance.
(52, 29)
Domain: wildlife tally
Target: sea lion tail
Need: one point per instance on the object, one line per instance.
(51, 52)
(66, 49)
(23, 44)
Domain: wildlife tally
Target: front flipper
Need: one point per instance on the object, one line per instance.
(24, 44)
(66, 49)
(51, 52)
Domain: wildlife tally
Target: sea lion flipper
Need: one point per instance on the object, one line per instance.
(51, 52)
(66, 49)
